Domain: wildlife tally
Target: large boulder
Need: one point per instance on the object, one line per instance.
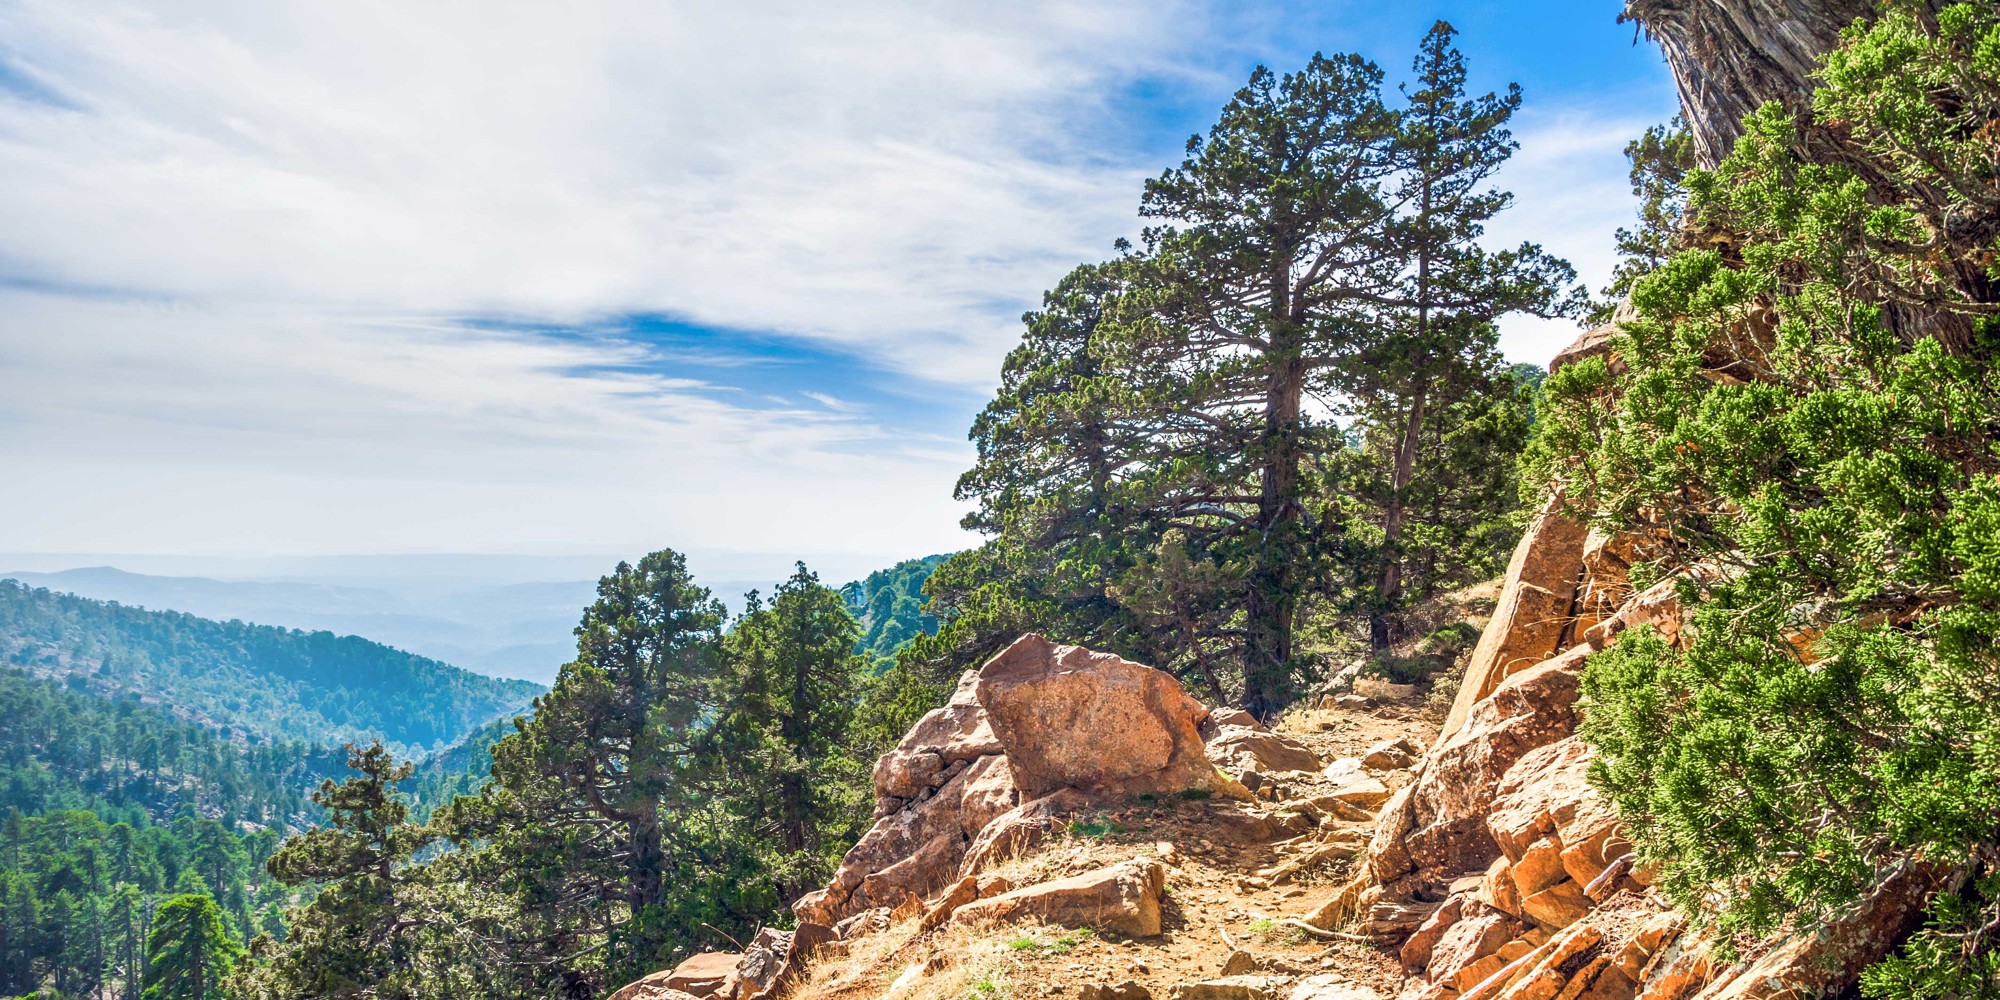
(1069, 717)
(1124, 897)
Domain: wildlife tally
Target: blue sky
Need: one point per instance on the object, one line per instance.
(287, 278)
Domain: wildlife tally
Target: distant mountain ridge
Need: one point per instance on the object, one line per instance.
(238, 679)
(519, 630)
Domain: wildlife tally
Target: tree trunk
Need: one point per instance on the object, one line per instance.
(1400, 474)
(1271, 602)
(1729, 57)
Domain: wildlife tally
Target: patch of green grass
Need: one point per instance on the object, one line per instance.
(1061, 944)
(988, 987)
(1270, 931)
(1096, 829)
(1195, 794)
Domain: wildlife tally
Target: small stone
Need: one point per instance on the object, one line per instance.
(1127, 990)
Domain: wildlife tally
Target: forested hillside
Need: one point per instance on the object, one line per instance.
(889, 604)
(241, 679)
(460, 769)
(64, 748)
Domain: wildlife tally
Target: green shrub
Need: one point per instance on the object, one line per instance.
(1810, 404)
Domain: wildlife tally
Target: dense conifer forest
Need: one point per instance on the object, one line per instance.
(249, 680)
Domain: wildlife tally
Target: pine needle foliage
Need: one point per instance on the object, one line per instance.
(1808, 402)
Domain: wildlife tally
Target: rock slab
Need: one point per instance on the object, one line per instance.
(1124, 897)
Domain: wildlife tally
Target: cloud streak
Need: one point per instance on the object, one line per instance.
(379, 276)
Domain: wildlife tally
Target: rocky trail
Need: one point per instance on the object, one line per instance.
(1072, 824)
(1112, 885)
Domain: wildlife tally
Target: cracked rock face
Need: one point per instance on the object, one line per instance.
(1070, 717)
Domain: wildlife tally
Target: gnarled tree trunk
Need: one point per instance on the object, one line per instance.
(1731, 56)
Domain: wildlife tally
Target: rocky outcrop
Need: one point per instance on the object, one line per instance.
(1434, 830)
(1032, 737)
(1533, 614)
(1500, 873)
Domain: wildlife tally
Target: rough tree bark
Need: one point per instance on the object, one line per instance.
(1729, 57)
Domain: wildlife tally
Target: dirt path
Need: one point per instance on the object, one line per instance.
(1217, 900)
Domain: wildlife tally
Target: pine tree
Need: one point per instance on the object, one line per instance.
(596, 825)
(1433, 344)
(1275, 240)
(21, 937)
(793, 666)
(354, 938)
(1056, 446)
(190, 952)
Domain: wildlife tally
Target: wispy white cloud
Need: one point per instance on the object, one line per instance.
(863, 174)
(281, 273)
(264, 431)
(1571, 193)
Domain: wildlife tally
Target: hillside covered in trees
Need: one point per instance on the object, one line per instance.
(889, 604)
(249, 681)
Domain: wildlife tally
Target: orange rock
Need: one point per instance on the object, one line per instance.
(1498, 888)
(955, 732)
(1239, 748)
(1533, 610)
(1593, 343)
(1658, 605)
(1539, 867)
(1547, 797)
(654, 987)
(1416, 952)
(1831, 957)
(1019, 829)
(1355, 783)
(1584, 979)
(988, 793)
(1473, 937)
(1557, 906)
(1611, 984)
(1543, 973)
(1124, 897)
(1478, 971)
(1438, 823)
(1658, 929)
(1069, 717)
(939, 910)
